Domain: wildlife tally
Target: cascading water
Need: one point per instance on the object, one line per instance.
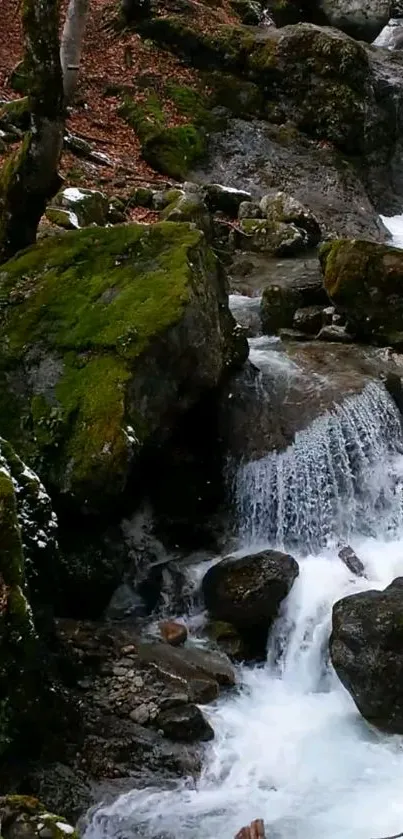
(290, 746)
(326, 485)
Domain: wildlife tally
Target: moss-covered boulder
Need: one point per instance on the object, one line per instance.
(84, 207)
(364, 280)
(24, 817)
(272, 237)
(247, 591)
(282, 208)
(319, 78)
(109, 336)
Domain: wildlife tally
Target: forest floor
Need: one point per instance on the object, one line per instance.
(111, 59)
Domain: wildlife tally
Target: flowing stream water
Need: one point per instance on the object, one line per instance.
(290, 746)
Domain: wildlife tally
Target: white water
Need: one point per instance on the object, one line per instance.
(395, 226)
(290, 747)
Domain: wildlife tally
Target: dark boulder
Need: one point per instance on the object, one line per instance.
(352, 561)
(247, 592)
(185, 723)
(366, 648)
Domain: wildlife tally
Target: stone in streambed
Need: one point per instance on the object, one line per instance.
(247, 592)
(227, 639)
(200, 672)
(366, 649)
(351, 560)
(309, 319)
(185, 723)
(173, 633)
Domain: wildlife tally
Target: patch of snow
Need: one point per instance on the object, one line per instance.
(73, 194)
(66, 828)
(230, 189)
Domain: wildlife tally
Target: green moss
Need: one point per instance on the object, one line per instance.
(91, 302)
(175, 151)
(146, 117)
(11, 560)
(16, 112)
(172, 151)
(60, 217)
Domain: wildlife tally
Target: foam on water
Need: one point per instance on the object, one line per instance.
(290, 746)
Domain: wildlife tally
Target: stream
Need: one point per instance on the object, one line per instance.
(290, 746)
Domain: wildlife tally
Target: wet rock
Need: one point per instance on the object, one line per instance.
(173, 633)
(185, 723)
(125, 603)
(362, 19)
(309, 319)
(281, 158)
(247, 592)
(199, 672)
(61, 789)
(351, 560)
(300, 380)
(227, 639)
(333, 332)
(284, 296)
(364, 281)
(366, 651)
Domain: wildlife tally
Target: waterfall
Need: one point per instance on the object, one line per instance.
(331, 482)
(290, 746)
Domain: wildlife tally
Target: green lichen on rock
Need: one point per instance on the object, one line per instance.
(85, 318)
(364, 280)
(25, 816)
(62, 218)
(17, 633)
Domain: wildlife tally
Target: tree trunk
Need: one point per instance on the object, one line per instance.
(72, 44)
(29, 178)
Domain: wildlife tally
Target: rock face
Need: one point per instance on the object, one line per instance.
(363, 19)
(247, 592)
(366, 648)
(27, 547)
(364, 281)
(109, 335)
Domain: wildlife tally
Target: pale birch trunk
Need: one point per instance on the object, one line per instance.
(71, 45)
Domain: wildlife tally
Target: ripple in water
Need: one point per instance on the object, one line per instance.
(290, 747)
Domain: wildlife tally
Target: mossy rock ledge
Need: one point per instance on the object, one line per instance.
(24, 817)
(364, 280)
(109, 336)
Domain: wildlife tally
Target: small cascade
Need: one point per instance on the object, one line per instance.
(331, 482)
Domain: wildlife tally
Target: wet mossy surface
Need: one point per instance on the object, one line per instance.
(77, 313)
